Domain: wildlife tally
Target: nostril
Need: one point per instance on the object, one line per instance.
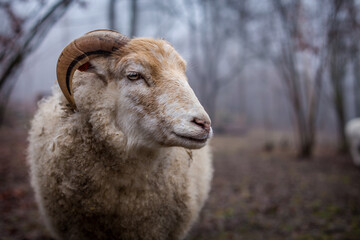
(203, 124)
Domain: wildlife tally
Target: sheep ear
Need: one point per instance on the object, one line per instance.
(85, 67)
(100, 67)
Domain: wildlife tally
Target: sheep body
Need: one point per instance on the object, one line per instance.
(353, 134)
(88, 182)
(110, 170)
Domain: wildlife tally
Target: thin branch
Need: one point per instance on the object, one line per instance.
(34, 37)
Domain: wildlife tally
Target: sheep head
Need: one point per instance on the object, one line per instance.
(142, 81)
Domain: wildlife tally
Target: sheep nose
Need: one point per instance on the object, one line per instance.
(203, 124)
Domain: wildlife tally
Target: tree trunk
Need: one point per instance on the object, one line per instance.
(341, 122)
(306, 136)
(337, 75)
(306, 148)
(112, 15)
(356, 71)
(133, 18)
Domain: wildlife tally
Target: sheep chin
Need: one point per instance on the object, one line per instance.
(176, 140)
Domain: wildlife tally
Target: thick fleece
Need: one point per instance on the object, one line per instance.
(120, 165)
(89, 186)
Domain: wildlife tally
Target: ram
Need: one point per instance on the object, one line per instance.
(121, 151)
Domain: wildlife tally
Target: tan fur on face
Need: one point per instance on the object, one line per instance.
(165, 84)
(157, 55)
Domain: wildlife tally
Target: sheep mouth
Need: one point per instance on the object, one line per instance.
(192, 139)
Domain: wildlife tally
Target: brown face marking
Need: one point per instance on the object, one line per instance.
(162, 104)
(159, 57)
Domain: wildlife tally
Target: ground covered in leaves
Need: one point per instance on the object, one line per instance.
(255, 194)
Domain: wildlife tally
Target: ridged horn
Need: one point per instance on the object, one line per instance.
(82, 50)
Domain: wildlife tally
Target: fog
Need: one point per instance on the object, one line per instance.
(273, 65)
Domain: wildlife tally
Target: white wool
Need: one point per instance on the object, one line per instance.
(353, 135)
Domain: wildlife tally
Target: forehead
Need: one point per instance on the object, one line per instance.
(156, 54)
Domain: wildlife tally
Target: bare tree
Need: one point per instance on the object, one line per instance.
(356, 73)
(134, 9)
(342, 40)
(220, 57)
(337, 68)
(133, 14)
(20, 40)
(112, 14)
(353, 27)
(303, 88)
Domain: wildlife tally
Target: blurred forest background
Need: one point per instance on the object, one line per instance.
(279, 78)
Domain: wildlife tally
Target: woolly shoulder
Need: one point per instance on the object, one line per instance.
(47, 114)
(49, 121)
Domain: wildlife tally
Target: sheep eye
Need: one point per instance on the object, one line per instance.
(134, 76)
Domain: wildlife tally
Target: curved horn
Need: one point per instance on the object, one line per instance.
(82, 50)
